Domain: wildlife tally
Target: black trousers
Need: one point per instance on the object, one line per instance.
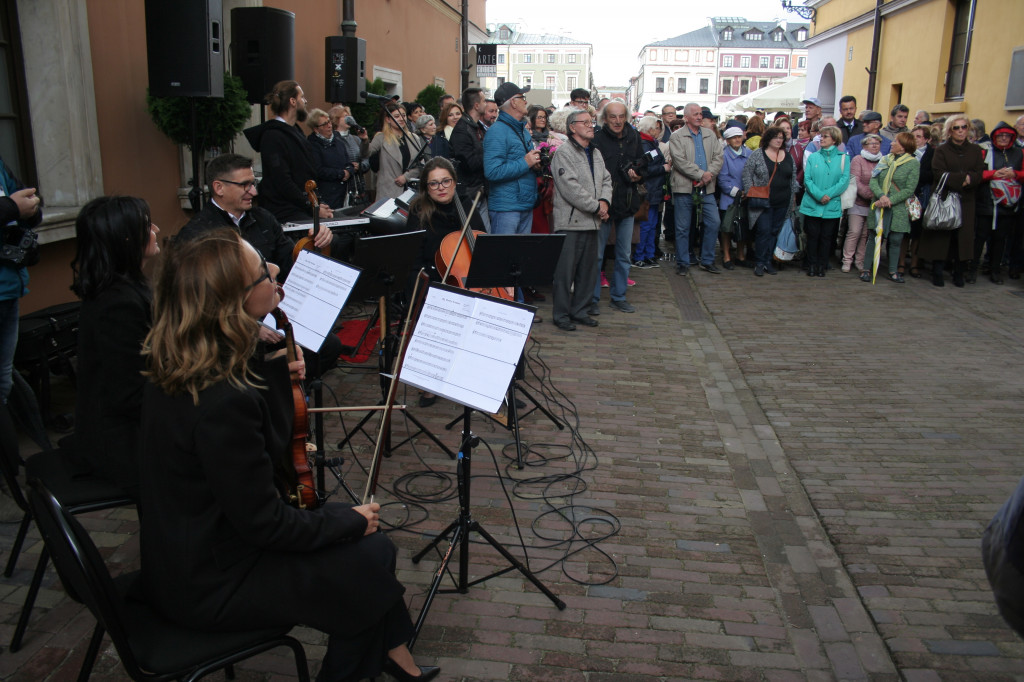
(820, 233)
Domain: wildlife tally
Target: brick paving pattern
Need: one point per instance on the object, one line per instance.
(801, 471)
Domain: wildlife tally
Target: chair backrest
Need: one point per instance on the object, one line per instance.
(81, 569)
(10, 458)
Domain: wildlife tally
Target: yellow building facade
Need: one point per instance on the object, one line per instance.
(943, 56)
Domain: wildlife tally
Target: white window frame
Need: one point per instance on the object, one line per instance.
(727, 61)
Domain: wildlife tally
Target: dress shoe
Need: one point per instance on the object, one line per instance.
(996, 276)
(681, 270)
(594, 310)
(427, 672)
(565, 326)
(770, 270)
(759, 270)
(728, 265)
(624, 306)
(426, 400)
(958, 278)
(811, 271)
(820, 272)
(710, 267)
(586, 321)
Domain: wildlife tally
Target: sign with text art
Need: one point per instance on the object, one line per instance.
(486, 61)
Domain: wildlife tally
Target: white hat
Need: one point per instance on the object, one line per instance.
(732, 132)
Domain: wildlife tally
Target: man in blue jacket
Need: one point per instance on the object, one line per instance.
(509, 160)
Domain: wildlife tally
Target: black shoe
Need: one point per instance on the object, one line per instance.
(426, 400)
(640, 264)
(972, 276)
(770, 270)
(565, 326)
(866, 276)
(759, 270)
(652, 263)
(710, 267)
(821, 272)
(681, 270)
(811, 271)
(427, 672)
(594, 310)
(958, 279)
(996, 276)
(530, 294)
(728, 265)
(586, 321)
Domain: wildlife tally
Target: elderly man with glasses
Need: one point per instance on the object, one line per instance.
(583, 198)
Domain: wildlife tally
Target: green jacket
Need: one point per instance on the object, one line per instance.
(901, 188)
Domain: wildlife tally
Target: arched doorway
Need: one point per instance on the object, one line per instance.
(827, 89)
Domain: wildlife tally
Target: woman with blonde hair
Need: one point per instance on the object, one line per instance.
(450, 115)
(962, 160)
(217, 534)
(826, 175)
(394, 150)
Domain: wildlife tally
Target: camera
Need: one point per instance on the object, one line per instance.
(637, 167)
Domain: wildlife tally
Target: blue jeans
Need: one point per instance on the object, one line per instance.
(709, 217)
(648, 234)
(8, 341)
(766, 232)
(620, 272)
(511, 222)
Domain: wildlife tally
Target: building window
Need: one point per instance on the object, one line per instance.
(653, 56)
(727, 34)
(527, 80)
(571, 58)
(703, 86)
(801, 62)
(551, 59)
(501, 79)
(709, 56)
(681, 85)
(780, 62)
(501, 59)
(762, 62)
(549, 82)
(570, 82)
(726, 86)
(960, 49)
(777, 35)
(504, 33)
(762, 83)
(727, 61)
(659, 85)
(744, 62)
(744, 86)
(754, 35)
(801, 35)
(527, 58)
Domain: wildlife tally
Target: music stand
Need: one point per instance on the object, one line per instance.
(501, 260)
(463, 347)
(385, 261)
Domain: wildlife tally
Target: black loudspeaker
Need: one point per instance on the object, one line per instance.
(184, 48)
(262, 48)
(345, 67)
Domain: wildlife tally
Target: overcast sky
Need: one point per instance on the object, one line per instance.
(619, 34)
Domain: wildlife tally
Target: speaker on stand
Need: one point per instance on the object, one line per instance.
(345, 69)
(262, 49)
(185, 48)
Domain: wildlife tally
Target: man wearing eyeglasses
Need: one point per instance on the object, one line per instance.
(579, 99)
(233, 189)
(509, 160)
(583, 197)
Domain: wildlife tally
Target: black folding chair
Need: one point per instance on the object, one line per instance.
(150, 647)
(77, 493)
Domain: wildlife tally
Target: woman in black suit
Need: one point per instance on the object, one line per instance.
(115, 237)
(220, 547)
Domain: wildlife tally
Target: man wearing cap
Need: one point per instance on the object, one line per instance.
(696, 161)
(871, 122)
(708, 119)
(509, 160)
(583, 198)
(848, 123)
(812, 109)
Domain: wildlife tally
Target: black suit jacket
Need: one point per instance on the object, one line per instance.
(258, 227)
(858, 128)
(288, 162)
(108, 405)
(220, 548)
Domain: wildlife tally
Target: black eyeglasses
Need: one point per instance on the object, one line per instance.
(265, 276)
(325, 123)
(434, 184)
(246, 186)
(958, 127)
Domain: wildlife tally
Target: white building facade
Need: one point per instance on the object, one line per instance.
(546, 62)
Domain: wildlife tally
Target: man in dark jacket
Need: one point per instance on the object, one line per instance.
(233, 188)
(849, 125)
(623, 156)
(467, 144)
(288, 160)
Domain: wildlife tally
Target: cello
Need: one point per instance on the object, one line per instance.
(455, 254)
(301, 490)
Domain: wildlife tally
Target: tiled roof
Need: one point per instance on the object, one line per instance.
(518, 38)
(711, 36)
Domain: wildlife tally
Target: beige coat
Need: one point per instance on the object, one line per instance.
(684, 170)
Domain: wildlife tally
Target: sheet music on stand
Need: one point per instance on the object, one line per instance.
(466, 346)
(315, 292)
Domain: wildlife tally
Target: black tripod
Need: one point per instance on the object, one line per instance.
(459, 529)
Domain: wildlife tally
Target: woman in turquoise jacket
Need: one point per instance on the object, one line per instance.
(826, 175)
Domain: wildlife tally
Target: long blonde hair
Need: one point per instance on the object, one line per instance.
(201, 333)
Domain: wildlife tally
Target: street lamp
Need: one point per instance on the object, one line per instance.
(801, 10)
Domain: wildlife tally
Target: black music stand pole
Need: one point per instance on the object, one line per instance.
(459, 529)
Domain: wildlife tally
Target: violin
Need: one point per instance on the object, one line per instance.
(301, 490)
(307, 243)
(455, 255)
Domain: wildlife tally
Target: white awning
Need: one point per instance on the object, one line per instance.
(783, 95)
